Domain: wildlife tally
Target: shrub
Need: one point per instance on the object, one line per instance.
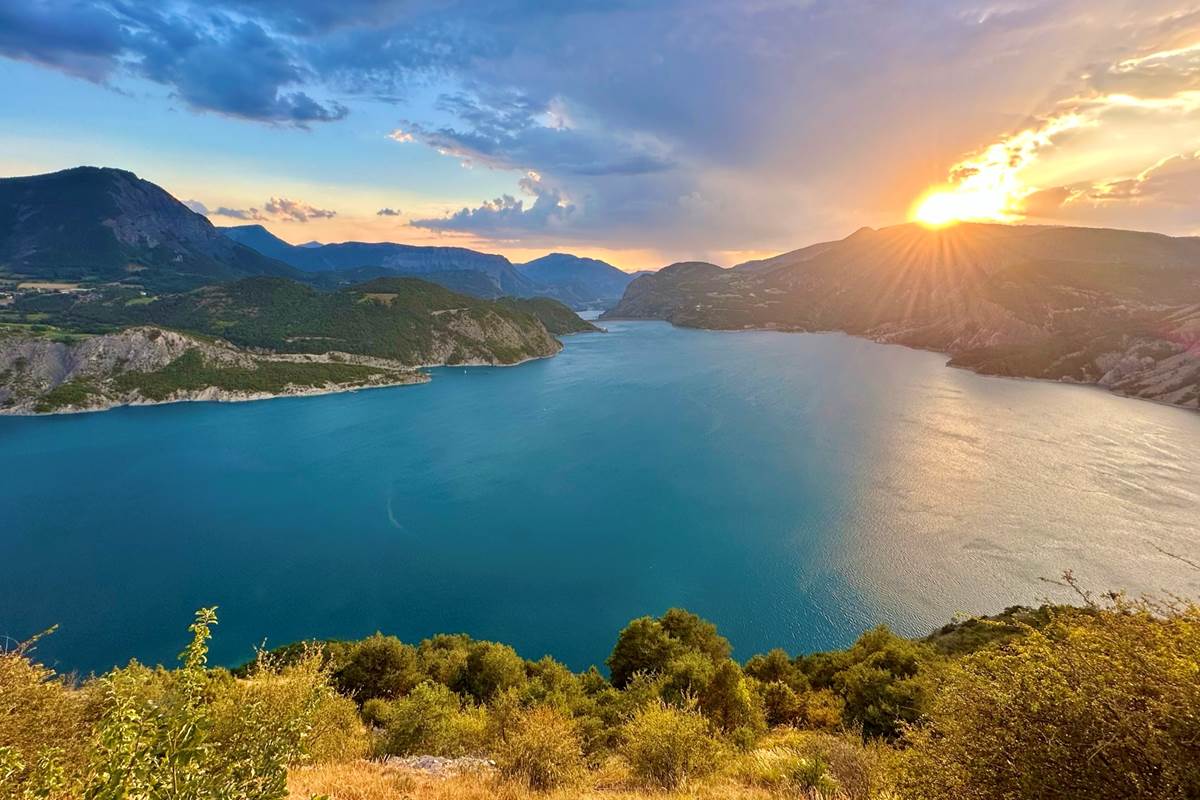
(728, 702)
(668, 746)
(44, 728)
(642, 646)
(1099, 705)
(191, 733)
(551, 683)
(379, 666)
(881, 678)
(822, 710)
(542, 750)
(781, 704)
(433, 720)
(286, 712)
(686, 676)
(491, 668)
(777, 667)
(694, 633)
(443, 658)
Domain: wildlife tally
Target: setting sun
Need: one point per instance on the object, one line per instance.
(941, 207)
(937, 210)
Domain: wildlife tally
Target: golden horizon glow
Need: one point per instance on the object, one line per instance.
(989, 186)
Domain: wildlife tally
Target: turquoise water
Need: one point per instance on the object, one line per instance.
(795, 489)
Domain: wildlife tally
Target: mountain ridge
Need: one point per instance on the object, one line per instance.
(1120, 309)
(574, 280)
(108, 225)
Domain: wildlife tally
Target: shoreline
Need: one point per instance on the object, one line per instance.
(414, 376)
(948, 356)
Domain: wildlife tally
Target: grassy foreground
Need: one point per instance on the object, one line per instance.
(1096, 701)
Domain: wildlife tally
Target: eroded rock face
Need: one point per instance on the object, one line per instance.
(32, 368)
(41, 364)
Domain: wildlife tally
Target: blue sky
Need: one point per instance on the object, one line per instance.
(640, 132)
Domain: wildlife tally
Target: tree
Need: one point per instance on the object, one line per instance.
(777, 665)
(728, 702)
(694, 633)
(649, 645)
(643, 646)
(492, 668)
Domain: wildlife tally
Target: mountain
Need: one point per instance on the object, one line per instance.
(1116, 308)
(397, 259)
(103, 225)
(257, 337)
(578, 281)
(558, 318)
(407, 320)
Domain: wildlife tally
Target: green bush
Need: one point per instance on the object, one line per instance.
(541, 750)
(286, 712)
(1096, 705)
(191, 733)
(379, 667)
(44, 728)
(777, 667)
(443, 658)
(433, 720)
(882, 680)
(491, 668)
(668, 746)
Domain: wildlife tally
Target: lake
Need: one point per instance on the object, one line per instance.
(795, 489)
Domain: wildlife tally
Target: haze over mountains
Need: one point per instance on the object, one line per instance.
(578, 282)
(1116, 308)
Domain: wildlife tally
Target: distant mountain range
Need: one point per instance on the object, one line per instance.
(1116, 308)
(578, 282)
(102, 225)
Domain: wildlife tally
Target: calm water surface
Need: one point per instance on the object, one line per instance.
(795, 489)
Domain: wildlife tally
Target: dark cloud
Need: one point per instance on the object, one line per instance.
(197, 206)
(279, 209)
(508, 217)
(691, 122)
(296, 211)
(246, 214)
(387, 212)
(211, 60)
(74, 36)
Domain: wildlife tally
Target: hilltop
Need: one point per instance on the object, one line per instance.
(106, 225)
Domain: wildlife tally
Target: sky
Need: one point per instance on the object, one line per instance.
(637, 132)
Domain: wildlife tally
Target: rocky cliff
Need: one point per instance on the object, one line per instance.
(151, 365)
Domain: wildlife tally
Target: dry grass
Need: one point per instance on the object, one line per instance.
(367, 780)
